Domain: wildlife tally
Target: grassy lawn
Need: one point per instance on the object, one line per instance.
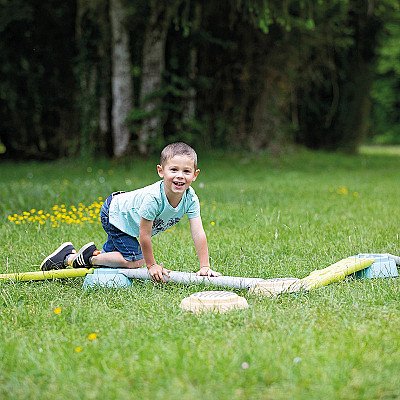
(264, 217)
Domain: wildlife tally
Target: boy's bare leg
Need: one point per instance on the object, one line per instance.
(115, 259)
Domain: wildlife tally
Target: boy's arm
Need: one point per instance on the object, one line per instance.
(156, 271)
(201, 246)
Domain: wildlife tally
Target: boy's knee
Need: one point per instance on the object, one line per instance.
(135, 264)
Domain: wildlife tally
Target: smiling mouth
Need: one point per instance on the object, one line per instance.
(179, 184)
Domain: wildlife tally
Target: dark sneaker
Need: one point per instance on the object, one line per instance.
(56, 259)
(82, 258)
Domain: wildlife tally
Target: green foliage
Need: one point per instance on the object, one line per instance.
(385, 93)
(264, 217)
(243, 73)
(289, 15)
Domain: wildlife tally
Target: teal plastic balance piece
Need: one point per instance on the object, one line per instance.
(383, 267)
(106, 277)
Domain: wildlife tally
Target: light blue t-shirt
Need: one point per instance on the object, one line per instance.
(151, 203)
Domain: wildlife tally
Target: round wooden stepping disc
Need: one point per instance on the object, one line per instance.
(213, 300)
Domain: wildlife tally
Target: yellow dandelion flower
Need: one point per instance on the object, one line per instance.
(92, 336)
(212, 223)
(343, 190)
(78, 349)
(57, 310)
(61, 214)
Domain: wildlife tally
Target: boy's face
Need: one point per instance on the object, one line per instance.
(178, 173)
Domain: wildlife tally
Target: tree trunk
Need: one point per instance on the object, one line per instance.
(190, 106)
(355, 109)
(153, 65)
(270, 119)
(93, 74)
(121, 79)
(104, 97)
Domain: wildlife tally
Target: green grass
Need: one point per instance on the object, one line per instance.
(264, 217)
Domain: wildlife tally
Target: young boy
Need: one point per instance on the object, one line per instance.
(130, 219)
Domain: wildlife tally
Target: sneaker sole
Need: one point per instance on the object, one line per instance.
(55, 252)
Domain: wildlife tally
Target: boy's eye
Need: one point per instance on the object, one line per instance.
(186, 171)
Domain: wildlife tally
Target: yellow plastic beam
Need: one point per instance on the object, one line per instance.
(44, 275)
(335, 272)
(318, 278)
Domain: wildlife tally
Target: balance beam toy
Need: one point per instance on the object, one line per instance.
(46, 275)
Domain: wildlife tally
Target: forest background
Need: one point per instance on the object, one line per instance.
(118, 77)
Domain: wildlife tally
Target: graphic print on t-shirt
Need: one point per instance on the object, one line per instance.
(160, 225)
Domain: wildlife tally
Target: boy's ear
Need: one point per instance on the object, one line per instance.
(160, 171)
(196, 173)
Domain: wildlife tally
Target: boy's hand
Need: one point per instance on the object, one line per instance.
(158, 273)
(207, 271)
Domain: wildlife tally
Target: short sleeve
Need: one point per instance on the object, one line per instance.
(194, 207)
(149, 208)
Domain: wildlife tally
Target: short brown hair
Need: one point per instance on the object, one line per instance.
(178, 149)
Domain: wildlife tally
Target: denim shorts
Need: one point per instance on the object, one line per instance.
(117, 240)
